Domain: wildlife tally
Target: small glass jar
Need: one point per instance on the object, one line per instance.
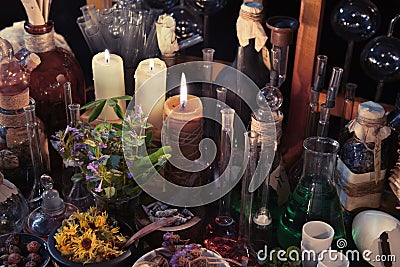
(364, 159)
(13, 207)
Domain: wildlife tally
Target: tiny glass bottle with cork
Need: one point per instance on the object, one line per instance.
(221, 232)
(364, 159)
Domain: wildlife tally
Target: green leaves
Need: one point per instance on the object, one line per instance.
(98, 107)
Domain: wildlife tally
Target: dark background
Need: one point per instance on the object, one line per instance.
(223, 36)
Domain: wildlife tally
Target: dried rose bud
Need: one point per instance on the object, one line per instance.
(33, 246)
(34, 257)
(14, 258)
(31, 264)
(13, 249)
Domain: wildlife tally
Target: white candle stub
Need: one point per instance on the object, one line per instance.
(183, 93)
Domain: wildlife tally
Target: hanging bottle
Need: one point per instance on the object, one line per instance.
(15, 161)
(220, 232)
(315, 197)
(364, 159)
(243, 251)
(78, 193)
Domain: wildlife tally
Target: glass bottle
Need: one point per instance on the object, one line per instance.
(243, 251)
(364, 159)
(249, 58)
(275, 191)
(13, 207)
(78, 193)
(315, 196)
(220, 232)
(51, 212)
(38, 167)
(46, 83)
(15, 160)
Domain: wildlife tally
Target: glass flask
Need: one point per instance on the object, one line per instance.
(13, 207)
(51, 213)
(315, 197)
(220, 232)
(275, 191)
(243, 252)
(46, 82)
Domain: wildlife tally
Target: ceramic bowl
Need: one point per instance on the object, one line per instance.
(123, 260)
(148, 256)
(24, 239)
(366, 231)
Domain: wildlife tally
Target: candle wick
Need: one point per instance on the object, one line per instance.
(183, 104)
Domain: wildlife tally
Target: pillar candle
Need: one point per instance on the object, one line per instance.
(152, 95)
(108, 77)
(186, 122)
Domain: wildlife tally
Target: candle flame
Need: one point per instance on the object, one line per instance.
(107, 56)
(151, 64)
(183, 95)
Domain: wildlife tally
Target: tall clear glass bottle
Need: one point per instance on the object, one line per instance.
(315, 196)
(78, 194)
(220, 232)
(35, 197)
(243, 252)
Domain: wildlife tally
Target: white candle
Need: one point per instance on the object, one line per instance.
(108, 77)
(152, 95)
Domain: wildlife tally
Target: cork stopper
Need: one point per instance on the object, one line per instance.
(32, 61)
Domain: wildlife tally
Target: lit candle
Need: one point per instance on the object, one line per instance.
(152, 96)
(108, 77)
(184, 119)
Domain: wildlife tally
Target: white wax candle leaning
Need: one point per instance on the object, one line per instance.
(108, 77)
(152, 96)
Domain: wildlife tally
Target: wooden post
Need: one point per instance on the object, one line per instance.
(100, 4)
(311, 18)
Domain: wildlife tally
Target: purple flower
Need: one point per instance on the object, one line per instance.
(102, 145)
(90, 155)
(93, 167)
(129, 175)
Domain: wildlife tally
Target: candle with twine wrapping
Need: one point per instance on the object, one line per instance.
(183, 124)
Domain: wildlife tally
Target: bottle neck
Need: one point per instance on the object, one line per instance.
(320, 158)
(39, 38)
